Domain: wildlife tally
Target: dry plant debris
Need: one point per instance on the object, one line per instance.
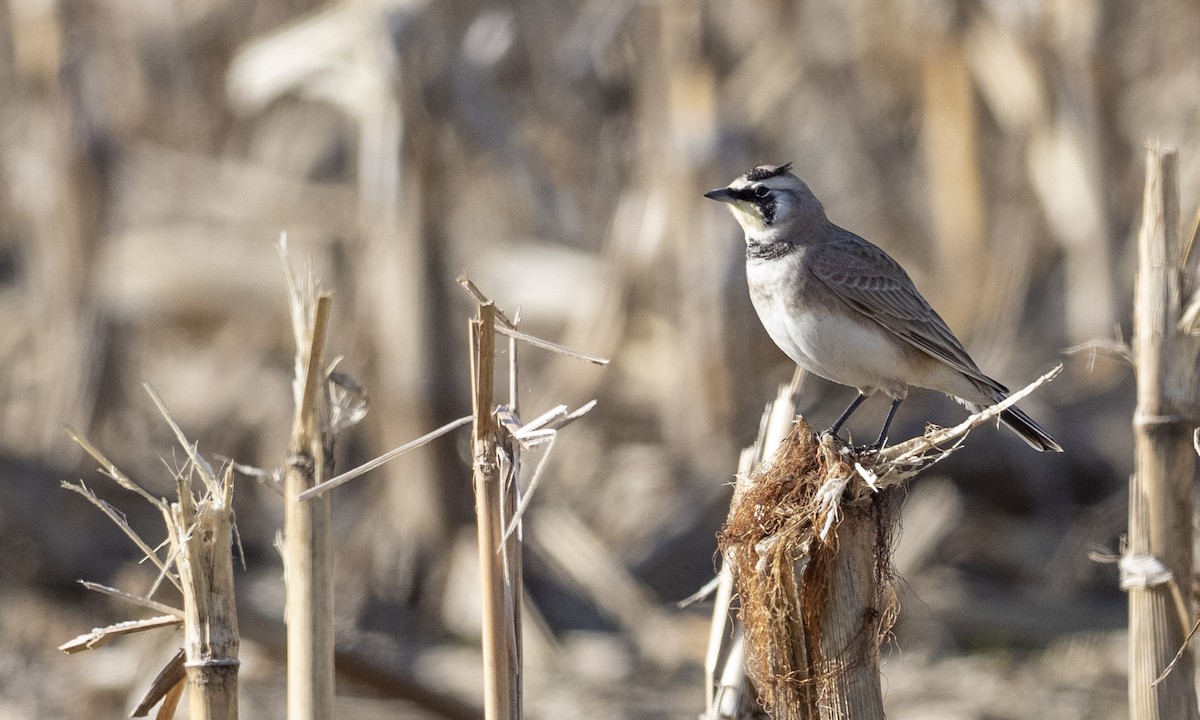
(782, 538)
(809, 539)
(199, 563)
(498, 438)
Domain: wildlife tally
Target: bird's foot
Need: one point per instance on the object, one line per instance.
(845, 443)
(861, 450)
(856, 451)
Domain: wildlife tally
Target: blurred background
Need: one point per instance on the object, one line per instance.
(151, 153)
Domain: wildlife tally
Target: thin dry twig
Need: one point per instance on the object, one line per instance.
(504, 326)
(272, 478)
(102, 636)
(111, 470)
(897, 463)
(1109, 347)
(206, 472)
(145, 602)
(118, 519)
(1178, 655)
(543, 430)
(170, 702)
(167, 686)
(551, 346)
(382, 459)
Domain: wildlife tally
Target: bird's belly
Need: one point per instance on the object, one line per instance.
(830, 344)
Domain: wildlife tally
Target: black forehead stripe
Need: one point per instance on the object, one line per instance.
(762, 172)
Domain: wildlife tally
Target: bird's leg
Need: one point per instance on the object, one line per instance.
(887, 423)
(837, 424)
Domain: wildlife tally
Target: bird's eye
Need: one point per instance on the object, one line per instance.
(761, 191)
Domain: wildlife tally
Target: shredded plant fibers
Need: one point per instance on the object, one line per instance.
(810, 545)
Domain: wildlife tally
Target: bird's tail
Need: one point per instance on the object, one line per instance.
(1024, 426)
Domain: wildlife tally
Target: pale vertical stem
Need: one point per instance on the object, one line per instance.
(732, 699)
(308, 556)
(204, 537)
(1160, 507)
(509, 557)
(950, 139)
(512, 550)
(726, 687)
(719, 631)
(724, 663)
(1087, 234)
(848, 676)
(680, 120)
(514, 389)
(498, 675)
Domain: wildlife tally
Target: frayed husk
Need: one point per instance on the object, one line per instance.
(812, 614)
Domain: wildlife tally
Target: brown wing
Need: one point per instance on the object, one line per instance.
(870, 281)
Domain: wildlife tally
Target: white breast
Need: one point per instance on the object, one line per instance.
(827, 343)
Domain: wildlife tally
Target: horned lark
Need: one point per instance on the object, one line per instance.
(845, 310)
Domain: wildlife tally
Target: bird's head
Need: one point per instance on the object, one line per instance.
(769, 202)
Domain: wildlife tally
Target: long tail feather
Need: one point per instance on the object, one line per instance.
(1029, 431)
(1025, 428)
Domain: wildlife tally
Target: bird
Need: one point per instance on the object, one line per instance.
(843, 309)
